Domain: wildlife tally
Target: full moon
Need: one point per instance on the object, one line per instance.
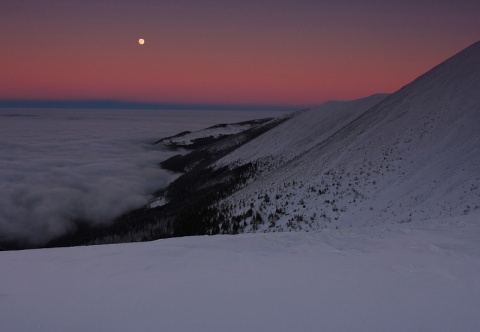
(141, 41)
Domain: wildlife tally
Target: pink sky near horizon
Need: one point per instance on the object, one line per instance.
(244, 52)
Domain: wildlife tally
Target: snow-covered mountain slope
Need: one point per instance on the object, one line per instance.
(414, 155)
(192, 140)
(300, 133)
(386, 278)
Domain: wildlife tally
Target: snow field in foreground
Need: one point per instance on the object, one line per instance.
(384, 278)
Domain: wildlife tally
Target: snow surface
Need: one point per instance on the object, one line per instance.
(160, 201)
(385, 278)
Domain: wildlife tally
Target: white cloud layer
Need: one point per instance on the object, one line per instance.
(57, 166)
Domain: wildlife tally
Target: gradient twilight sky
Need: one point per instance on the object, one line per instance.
(263, 52)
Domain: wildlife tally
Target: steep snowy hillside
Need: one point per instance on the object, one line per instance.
(415, 155)
(299, 134)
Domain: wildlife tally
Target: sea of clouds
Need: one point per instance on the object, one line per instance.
(58, 166)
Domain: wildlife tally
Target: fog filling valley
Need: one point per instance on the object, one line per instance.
(60, 166)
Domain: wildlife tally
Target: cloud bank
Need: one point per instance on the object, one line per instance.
(61, 166)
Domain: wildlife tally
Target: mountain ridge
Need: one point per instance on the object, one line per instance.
(400, 115)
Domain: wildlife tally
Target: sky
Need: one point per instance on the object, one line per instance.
(282, 52)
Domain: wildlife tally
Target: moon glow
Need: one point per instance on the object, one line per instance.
(141, 41)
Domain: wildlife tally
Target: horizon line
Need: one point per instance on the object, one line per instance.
(119, 104)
